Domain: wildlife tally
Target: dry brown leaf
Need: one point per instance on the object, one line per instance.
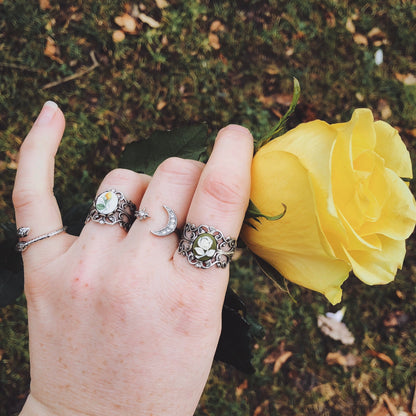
(272, 69)
(281, 360)
(376, 32)
(44, 4)
(350, 25)
(289, 51)
(162, 4)
(349, 360)
(413, 409)
(127, 23)
(379, 410)
(390, 405)
(1, 353)
(240, 389)
(381, 356)
(336, 330)
(216, 26)
(396, 318)
(148, 20)
(360, 39)
(406, 79)
(330, 19)
(160, 105)
(52, 51)
(214, 41)
(259, 409)
(118, 36)
(384, 109)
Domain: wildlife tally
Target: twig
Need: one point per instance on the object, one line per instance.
(413, 410)
(20, 67)
(76, 75)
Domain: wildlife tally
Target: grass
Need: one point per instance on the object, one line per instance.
(165, 77)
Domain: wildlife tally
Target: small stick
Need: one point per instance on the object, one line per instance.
(20, 67)
(74, 76)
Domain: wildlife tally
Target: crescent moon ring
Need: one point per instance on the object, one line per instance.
(171, 225)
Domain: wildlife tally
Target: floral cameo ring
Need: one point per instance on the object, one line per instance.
(111, 207)
(205, 246)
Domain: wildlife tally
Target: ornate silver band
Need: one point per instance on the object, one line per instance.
(111, 207)
(24, 231)
(205, 246)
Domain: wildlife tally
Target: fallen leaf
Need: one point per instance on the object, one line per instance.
(336, 330)
(1, 354)
(396, 318)
(44, 4)
(118, 36)
(384, 109)
(360, 39)
(281, 360)
(272, 69)
(377, 36)
(413, 410)
(162, 4)
(289, 51)
(160, 105)
(149, 20)
(240, 389)
(406, 79)
(259, 409)
(390, 405)
(52, 51)
(350, 25)
(214, 41)
(349, 360)
(379, 410)
(127, 23)
(216, 26)
(381, 356)
(330, 19)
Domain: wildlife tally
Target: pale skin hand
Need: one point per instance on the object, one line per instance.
(120, 323)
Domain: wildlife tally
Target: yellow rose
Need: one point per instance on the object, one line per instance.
(347, 206)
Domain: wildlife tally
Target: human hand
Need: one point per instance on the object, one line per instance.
(120, 323)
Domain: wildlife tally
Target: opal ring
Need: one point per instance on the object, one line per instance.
(205, 246)
(24, 231)
(111, 207)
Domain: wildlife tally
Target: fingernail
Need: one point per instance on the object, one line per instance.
(47, 113)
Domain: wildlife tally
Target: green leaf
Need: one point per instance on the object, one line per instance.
(278, 129)
(238, 334)
(100, 206)
(146, 155)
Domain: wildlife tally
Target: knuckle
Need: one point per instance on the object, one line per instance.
(226, 193)
(121, 177)
(24, 197)
(180, 171)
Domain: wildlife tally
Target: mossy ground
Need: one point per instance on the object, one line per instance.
(178, 74)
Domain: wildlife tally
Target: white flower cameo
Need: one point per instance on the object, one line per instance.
(204, 247)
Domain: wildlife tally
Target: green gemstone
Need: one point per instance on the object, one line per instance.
(204, 247)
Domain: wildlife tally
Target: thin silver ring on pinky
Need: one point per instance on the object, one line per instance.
(205, 246)
(111, 207)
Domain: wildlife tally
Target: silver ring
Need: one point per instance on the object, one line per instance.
(24, 231)
(205, 246)
(111, 207)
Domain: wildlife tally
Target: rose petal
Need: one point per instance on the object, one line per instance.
(377, 267)
(391, 147)
(397, 220)
(293, 244)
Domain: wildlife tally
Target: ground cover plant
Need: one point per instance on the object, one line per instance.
(121, 70)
